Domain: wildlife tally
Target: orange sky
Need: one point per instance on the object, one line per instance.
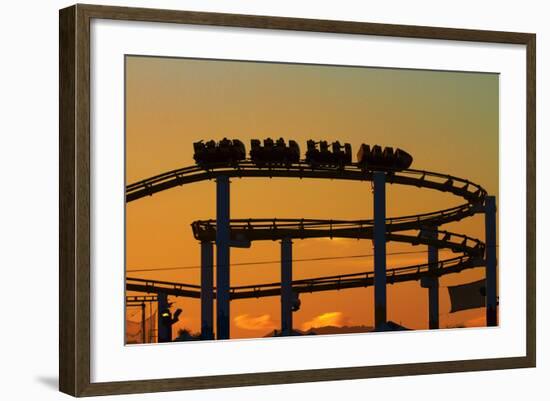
(447, 121)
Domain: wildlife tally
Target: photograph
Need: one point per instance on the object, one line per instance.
(274, 199)
(254, 198)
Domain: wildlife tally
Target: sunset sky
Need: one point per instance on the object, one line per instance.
(448, 121)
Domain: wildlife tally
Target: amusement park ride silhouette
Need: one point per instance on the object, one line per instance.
(227, 158)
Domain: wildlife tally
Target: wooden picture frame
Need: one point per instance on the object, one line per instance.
(74, 204)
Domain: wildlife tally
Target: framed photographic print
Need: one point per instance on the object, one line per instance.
(281, 200)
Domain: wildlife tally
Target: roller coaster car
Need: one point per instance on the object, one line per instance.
(312, 153)
(377, 159)
(238, 150)
(268, 144)
(342, 157)
(293, 151)
(338, 157)
(198, 147)
(255, 149)
(199, 152)
(225, 152)
(403, 160)
(274, 153)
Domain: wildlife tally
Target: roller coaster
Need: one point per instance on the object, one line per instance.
(227, 159)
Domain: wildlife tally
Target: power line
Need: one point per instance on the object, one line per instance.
(270, 262)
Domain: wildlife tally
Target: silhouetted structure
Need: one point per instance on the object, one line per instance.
(287, 296)
(491, 258)
(324, 157)
(318, 154)
(165, 318)
(468, 296)
(274, 159)
(207, 290)
(431, 282)
(274, 153)
(224, 152)
(387, 159)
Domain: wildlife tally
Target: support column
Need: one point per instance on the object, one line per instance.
(207, 291)
(491, 260)
(432, 283)
(164, 332)
(286, 287)
(143, 334)
(222, 257)
(380, 315)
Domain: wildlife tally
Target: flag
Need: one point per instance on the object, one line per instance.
(467, 296)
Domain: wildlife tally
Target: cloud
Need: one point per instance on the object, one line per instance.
(336, 319)
(247, 322)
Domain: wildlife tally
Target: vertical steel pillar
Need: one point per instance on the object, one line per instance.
(491, 260)
(380, 315)
(150, 338)
(222, 257)
(207, 291)
(143, 334)
(164, 332)
(432, 283)
(286, 287)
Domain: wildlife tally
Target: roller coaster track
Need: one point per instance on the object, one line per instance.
(167, 287)
(274, 229)
(328, 283)
(471, 249)
(473, 193)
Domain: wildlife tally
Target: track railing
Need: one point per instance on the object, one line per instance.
(326, 283)
(419, 178)
(276, 229)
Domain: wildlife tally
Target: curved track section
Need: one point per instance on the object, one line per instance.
(167, 287)
(328, 283)
(473, 193)
(471, 249)
(358, 280)
(276, 229)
